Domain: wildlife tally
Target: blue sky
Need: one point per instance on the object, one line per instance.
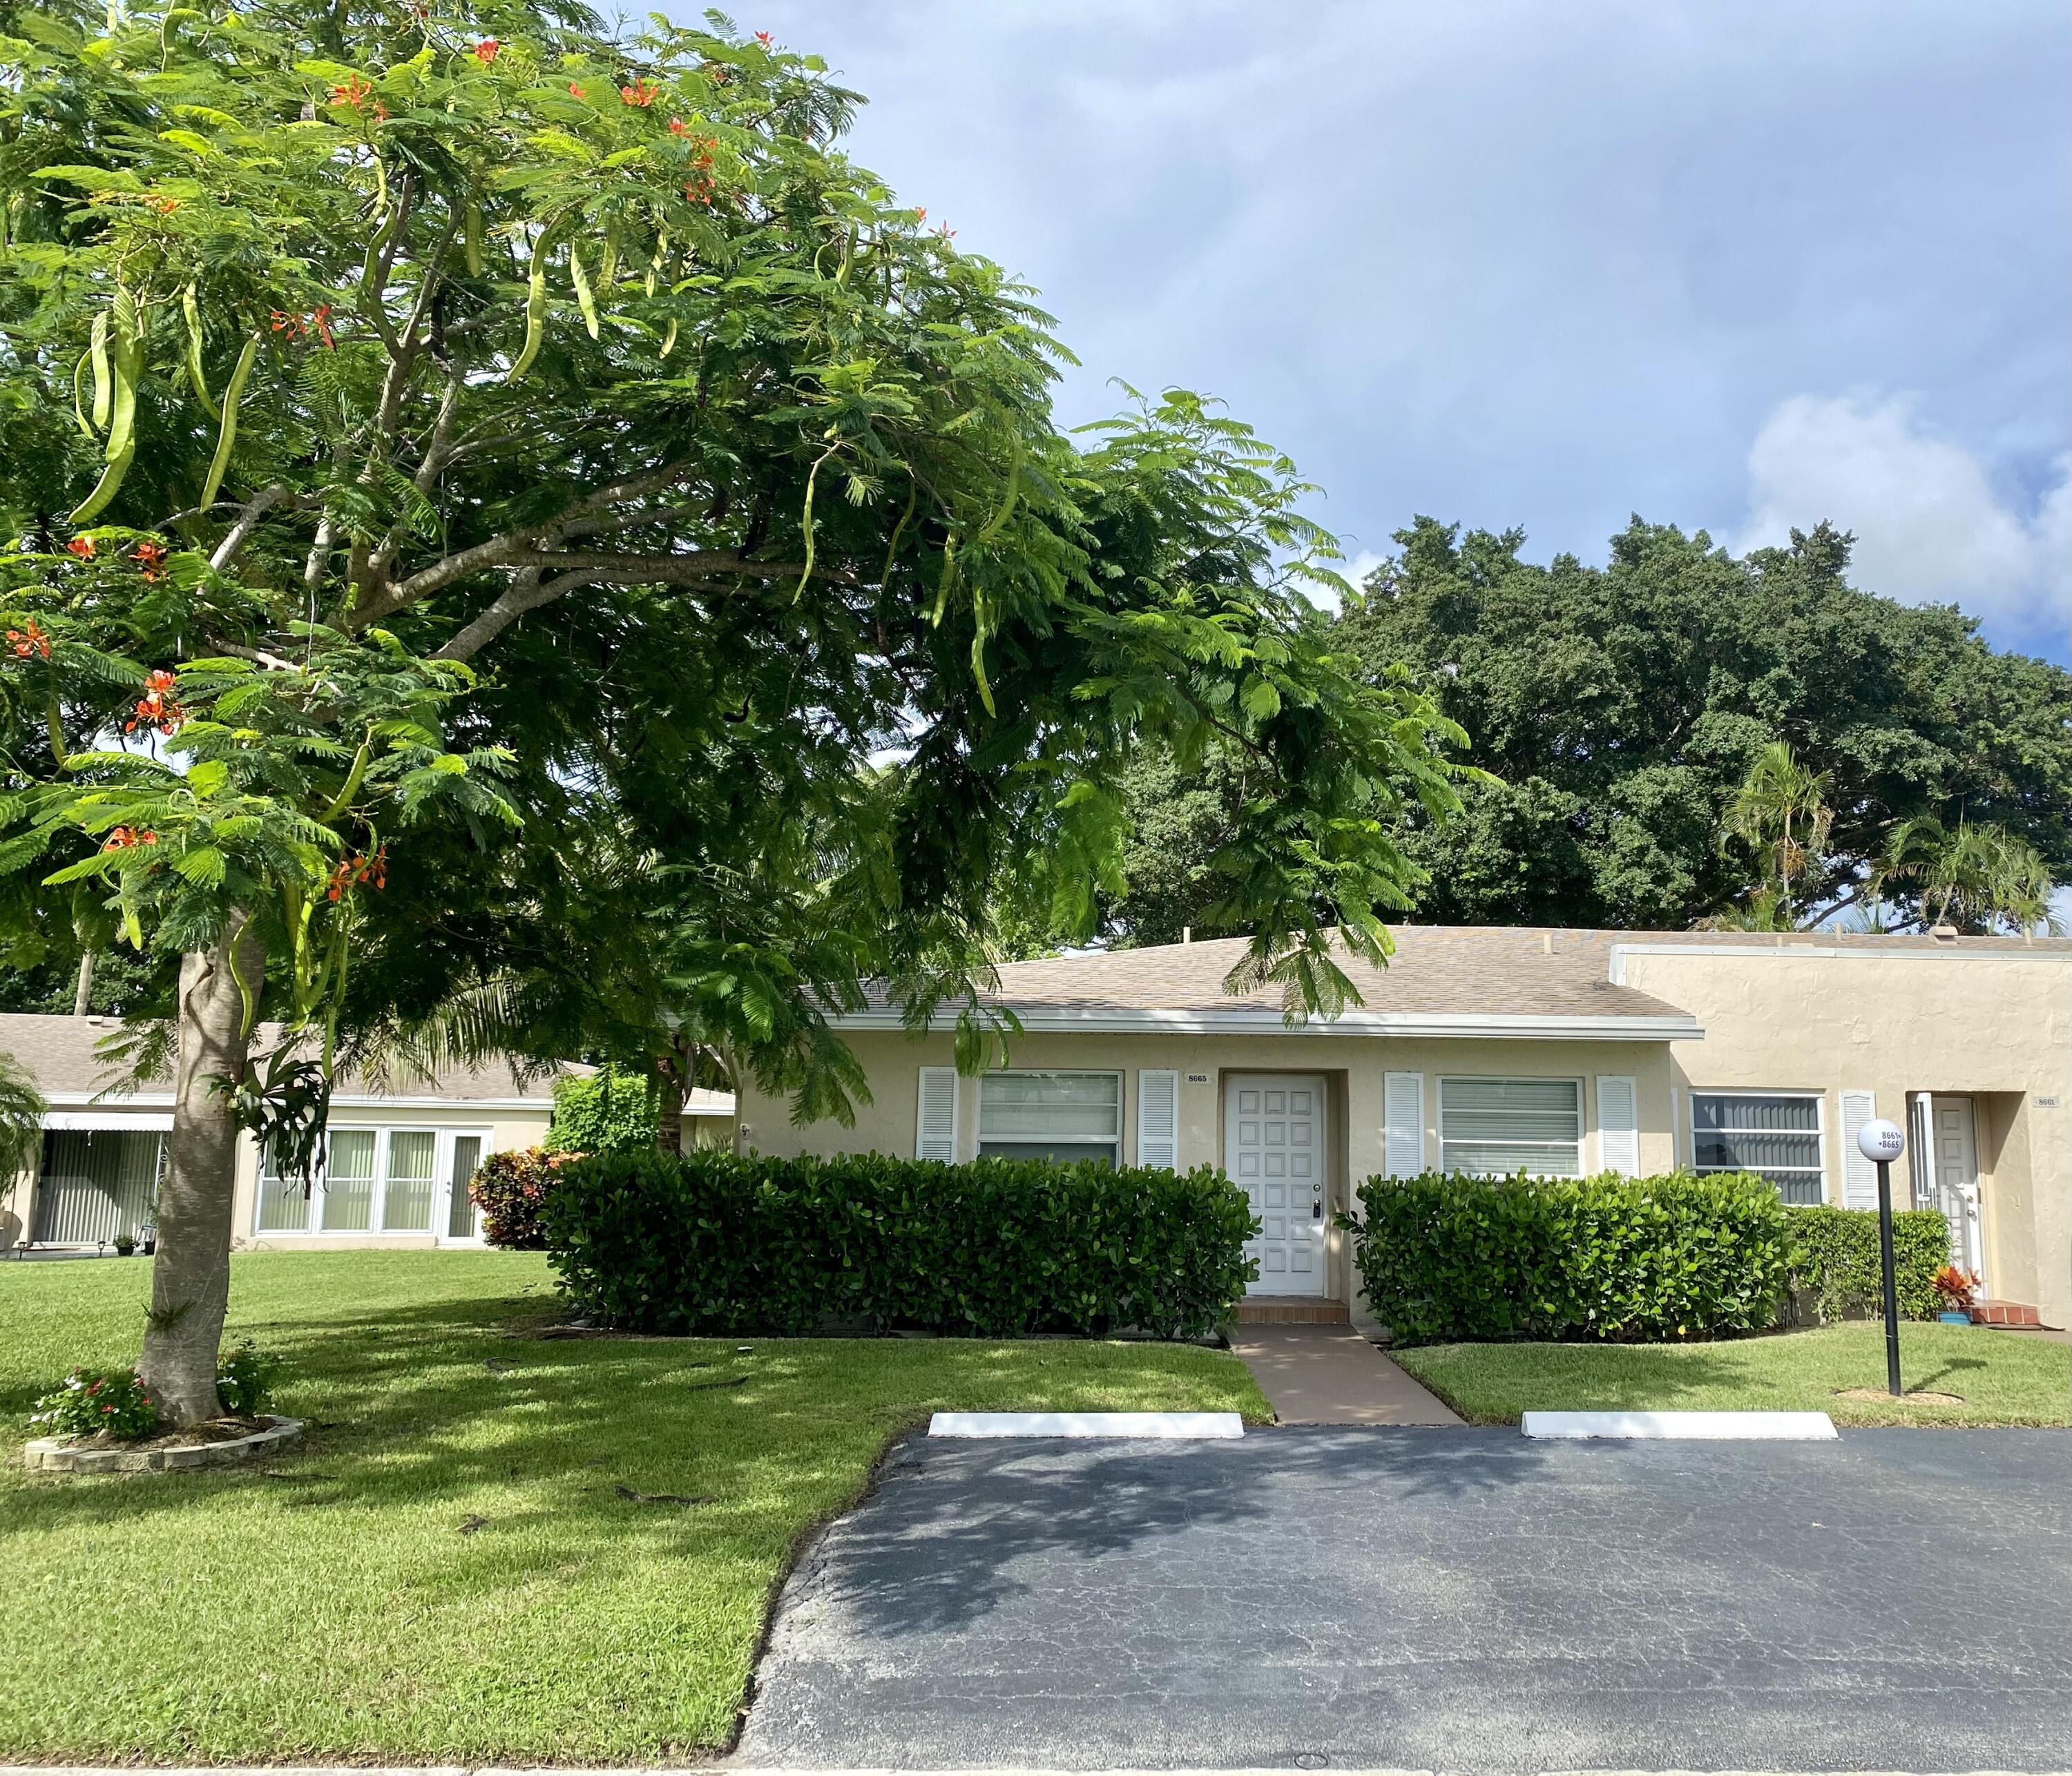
(1733, 264)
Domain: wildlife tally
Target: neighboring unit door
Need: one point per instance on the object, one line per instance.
(1955, 1179)
(1273, 1147)
(459, 1218)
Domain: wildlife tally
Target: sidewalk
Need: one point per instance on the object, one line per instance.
(1331, 1374)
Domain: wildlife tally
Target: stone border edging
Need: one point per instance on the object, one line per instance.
(50, 1455)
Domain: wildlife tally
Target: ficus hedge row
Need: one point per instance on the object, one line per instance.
(1450, 1258)
(711, 1243)
(1835, 1259)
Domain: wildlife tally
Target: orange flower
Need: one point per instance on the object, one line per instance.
(485, 50)
(762, 37)
(151, 558)
(352, 95)
(642, 92)
(165, 206)
(920, 213)
(678, 127)
(82, 547)
(122, 839)
(32, 640)
(574, 90)
(157, 707)
(351, 869)
(321, 321)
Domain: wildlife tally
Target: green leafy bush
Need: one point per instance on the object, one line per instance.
(509, 1188)
(1835, 1259)
(997, 1247)
(114, 1400)
(1447, 1259)
(244, 1380)
(602, 1112)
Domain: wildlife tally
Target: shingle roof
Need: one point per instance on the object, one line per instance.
(58, 1054)
(1469, 972)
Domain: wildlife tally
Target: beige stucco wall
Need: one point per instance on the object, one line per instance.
(1352, 1068)
(1993, 1025)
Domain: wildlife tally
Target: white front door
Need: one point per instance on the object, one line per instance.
(1273, 1147)
(1956, 1179)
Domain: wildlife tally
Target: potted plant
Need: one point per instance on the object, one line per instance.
(125, 1243)
(1954, 1289)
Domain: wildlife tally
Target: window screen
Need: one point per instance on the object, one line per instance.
(406, 1201)
(1501, 1126)
(1061, 1116)
(348, 1182)
(1773, 1135)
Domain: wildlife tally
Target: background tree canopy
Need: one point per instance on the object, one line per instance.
(1619, 709)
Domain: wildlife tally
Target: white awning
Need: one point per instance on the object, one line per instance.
(109, 1118)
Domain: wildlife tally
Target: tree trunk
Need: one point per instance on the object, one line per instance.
(82, 996)
(669, 1120)
(190, 1270)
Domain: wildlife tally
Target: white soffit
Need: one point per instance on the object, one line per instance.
(1103, 1020)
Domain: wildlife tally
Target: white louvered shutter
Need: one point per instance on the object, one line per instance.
(935, 1121)
(1859, 1174)
(1158, 1117)
(1402, 1139)
(1618, 1125)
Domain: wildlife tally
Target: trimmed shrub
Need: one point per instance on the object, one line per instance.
(710, 1241)
(1446, 1258)
(509, 1188)
(1835, 1259)
(602, 1111)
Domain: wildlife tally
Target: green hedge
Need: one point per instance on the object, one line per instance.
(1453, 1259)
(1835, 1259)
(712, 1242)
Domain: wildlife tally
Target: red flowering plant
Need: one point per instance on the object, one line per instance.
(1955, 1288)
(90, 1402)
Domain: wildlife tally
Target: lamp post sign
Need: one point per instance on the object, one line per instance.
(1881, 1142)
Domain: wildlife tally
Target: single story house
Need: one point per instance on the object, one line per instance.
(1559, 1052)
(395, 1172)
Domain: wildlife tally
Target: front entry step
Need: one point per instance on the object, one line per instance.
(1997, 1313)
(1291, 1310)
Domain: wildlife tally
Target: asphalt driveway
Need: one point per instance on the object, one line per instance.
(1437, 1599)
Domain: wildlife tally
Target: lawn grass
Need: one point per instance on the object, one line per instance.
(2001, 1379)
(331, 1608)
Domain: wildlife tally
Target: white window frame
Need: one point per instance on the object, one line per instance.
(1819, 1098)
(1582, 1120)
(443, 1135)
(1115, 1073)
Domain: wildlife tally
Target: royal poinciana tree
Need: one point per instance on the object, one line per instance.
(515, 535)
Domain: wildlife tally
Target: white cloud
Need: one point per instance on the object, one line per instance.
(1930, 526)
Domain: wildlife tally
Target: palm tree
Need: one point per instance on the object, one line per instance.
(1780, 809)
(1980, 876)
(1761, 911)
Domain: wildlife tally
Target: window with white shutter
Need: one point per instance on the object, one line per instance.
(1618, 1125)
(1859, 1174)
(935, 1118)
(1402, 1137)
(1158, 1117)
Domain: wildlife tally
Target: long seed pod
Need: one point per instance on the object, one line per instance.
(121, 451)
(585, 297)
(78, 396)
(226, 439)
(471, 234)
(669, 338)
(191, 307)
(607, 272)
(97, 350)
(535, 310)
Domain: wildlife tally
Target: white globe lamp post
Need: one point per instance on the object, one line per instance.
(1882, 1142)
